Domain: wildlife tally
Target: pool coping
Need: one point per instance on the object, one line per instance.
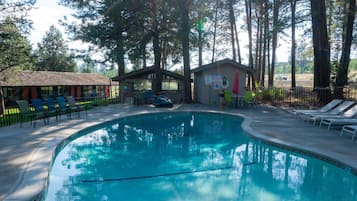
(294, 148)
(23, 190)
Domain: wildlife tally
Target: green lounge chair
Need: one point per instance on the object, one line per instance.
(27, 114)
(74, 106)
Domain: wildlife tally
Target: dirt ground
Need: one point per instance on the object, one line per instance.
(302, 80)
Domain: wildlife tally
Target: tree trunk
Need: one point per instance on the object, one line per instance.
(2, 103)
(274, 41)
(342, 71)
(200, 49)
(322, 68)
(268, 57)
(120, 62)
(237, 40)
(186, 50)
(144, 54)
(157, 63)
(266, 41)
(259, 42)
(257, 56)
(293, 44)
(215, 32)
(164, 52)
(231, 21)
(248, 9)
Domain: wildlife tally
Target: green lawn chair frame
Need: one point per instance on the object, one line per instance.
(26, 112)
(76, 107)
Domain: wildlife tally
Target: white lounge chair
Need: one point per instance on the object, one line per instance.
(349, 129)
(340, 120)
(335, 113)
(329, 106)
(337, 122)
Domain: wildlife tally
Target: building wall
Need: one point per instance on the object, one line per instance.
(208, 93)
(13, 93)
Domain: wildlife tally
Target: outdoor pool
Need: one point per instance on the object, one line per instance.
(188, 156)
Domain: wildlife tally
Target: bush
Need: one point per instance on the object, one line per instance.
(270, 94)
(249, 97)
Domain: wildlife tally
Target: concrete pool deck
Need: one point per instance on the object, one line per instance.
(26, 153)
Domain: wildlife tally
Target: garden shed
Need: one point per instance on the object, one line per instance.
(224, 75)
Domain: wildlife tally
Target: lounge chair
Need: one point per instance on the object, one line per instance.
(340, 120)
(337, 122)
(74, 106)
(334, 113)
(332, 104)
(25, 112)
(51, 107)
(62, 107)
(349, 129)
(40, 110)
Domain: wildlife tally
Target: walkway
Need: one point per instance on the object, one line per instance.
(25, 153)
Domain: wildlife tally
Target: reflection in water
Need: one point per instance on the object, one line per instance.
(188, 156)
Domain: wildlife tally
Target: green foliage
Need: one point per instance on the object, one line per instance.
(334, 68)
(269, 94)
(15, 49)
(353, 65)
(53, 55)
(250, 97)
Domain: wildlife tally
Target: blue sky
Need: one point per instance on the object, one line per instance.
(45, 14)
(48, 12)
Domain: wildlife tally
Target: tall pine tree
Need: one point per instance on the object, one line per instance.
(53, 53)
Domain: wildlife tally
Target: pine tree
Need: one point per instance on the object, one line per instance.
(53, 53)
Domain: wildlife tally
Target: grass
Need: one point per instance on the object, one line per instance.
(13, 114)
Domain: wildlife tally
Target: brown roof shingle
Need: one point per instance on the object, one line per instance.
(50, 78)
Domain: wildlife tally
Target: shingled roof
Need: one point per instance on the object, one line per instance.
(146, 71)
(50, 78)
(221, 63)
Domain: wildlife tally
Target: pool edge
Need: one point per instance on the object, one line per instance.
(246, 126)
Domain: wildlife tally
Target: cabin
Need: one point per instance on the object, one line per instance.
(41, 84)
(139, 86)
(211, 79)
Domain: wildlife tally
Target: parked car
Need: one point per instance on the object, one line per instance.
(162, 101)
(282, 77)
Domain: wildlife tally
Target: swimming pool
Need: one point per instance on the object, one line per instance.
(188, 156)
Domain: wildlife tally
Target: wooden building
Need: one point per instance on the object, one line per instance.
(211, 79)
(40, 84)
(136, 83)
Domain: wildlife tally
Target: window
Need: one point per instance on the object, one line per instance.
(46, 92)
(141, 85)
(170, 85)
(66, 90)
(87, 90)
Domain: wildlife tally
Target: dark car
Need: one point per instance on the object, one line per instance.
(162, 101)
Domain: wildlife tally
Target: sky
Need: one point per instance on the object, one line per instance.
(48, 12)
(45, 14)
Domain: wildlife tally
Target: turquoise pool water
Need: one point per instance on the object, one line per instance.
(188, 156)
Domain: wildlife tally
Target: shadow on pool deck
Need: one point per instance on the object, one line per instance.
(26, 153)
